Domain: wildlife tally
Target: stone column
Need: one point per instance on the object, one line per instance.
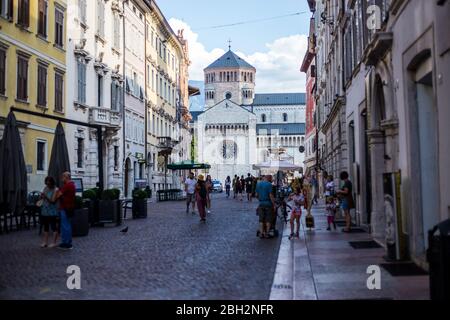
(378, 219)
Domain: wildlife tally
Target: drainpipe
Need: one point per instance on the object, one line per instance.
(123, 101)
(145, 98)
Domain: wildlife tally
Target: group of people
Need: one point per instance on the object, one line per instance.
(341, 198)
(198, 193)
(242, 185)
(57, 206)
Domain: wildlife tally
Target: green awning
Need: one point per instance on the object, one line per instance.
(188, 165)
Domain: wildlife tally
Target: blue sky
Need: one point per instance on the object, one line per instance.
(247, 38)
(275, 47)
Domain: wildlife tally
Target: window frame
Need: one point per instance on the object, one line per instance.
(42, 88)
(59, 91)
(45, 156)
(23, 13)
(21, 58)
(80, 159)
(59, 28)
(9, 15)
(3, 70)
(44, 25)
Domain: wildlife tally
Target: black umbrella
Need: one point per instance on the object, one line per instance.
(59, 159)
(13, 172)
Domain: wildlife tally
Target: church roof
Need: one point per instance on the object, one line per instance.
(230, 60)
(271, 99)
(283, 128)
(195, 115)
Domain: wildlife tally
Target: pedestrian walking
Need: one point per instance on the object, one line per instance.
(235, 179)
(315, 187)
(242, 183)
(296, 213)
(201, 195)
(189, 187)
(248, 187)
(254, 183)
(331, 211)
(238, 189)
(346, 197)
(266, 206)
(209, 188)
(66, 196)
(228, 186)
(49, 212)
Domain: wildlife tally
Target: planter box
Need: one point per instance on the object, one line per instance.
(139, 208)
(92, 206)
(109, 211)
(80, 222)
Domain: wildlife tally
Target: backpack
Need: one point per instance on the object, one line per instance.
(203, 193)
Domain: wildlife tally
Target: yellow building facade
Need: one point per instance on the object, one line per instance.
(32, 75)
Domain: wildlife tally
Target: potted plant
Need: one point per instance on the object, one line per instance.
(109, 206)
(80, 219)
(91, 199)
(139, 204)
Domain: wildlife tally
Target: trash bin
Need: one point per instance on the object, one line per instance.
(438, 257)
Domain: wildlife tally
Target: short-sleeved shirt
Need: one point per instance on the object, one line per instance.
(299, 200)
(190, 185)
(348, 185)
(264, 189)
(68, 196)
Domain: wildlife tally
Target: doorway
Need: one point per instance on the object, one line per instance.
(427, 124)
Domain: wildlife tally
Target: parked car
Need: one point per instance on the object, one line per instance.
(217, 186)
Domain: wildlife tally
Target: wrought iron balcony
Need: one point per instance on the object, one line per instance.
(105, 117)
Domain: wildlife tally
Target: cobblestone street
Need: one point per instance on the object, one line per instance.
(169, 255)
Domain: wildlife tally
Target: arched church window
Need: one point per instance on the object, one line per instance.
(228, 77)
(263, 118)
(220, 76)
(245, 77)
(285, 117)
(251, 77)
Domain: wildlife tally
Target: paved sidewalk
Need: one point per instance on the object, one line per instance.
(322, 265)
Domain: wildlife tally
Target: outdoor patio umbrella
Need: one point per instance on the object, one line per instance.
(13, 172)
(278, 165)
(59, 159)
(188, 165)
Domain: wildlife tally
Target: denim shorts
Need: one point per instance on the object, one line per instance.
(345, 205)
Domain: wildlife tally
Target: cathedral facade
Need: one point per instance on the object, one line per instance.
(238, 128)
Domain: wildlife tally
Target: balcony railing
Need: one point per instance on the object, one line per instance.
(166, 143)
(106, 117)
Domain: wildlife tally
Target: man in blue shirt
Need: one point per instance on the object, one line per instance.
(266, 205)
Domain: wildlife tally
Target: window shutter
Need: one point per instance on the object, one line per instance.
(26, 13)
(2, 71)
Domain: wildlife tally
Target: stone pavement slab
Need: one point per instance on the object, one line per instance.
(326, 267)
(169, 255)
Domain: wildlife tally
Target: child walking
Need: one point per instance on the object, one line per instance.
(331, 212)
(299, 200)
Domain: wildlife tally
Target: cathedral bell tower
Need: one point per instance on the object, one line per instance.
(229, 77)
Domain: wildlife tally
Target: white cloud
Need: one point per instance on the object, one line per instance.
(277, 69)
